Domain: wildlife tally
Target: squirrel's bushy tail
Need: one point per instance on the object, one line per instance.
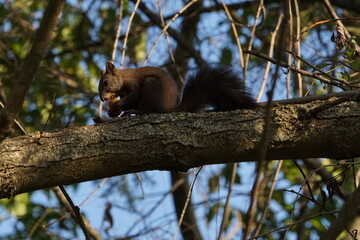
(218, 87)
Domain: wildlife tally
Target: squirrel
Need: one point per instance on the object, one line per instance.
(153, 90)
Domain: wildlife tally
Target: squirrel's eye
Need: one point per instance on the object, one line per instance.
(106, 83)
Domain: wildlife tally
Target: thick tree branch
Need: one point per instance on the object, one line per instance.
(175, 142)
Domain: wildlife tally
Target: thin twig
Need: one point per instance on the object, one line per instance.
(187, 202)
(297, 47)
(236, 35)
(166, 27)
(345, 218)
(310, 174)
(338, 21)
(127, 32)
(343, 85)
(235, 229)
(82, 203)
(63, 201)
(307, 182)
(37, 224)
(323, 22)
(293, 224)
(252, 35)
(317, 69)
(17, 123)
(31, 63)
(94, 191)
(118, 30)
(180, 39)
(76, 211)
(264, 143)
(113, 55)
(348, 66)
(271, 50)
(156, 205)
(267, 203)
(307, 198)
(226, 207)
(169, 43)
(290, 45)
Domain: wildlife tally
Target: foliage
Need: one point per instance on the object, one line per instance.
(64, 93)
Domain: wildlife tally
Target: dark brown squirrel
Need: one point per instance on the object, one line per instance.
(153, 90)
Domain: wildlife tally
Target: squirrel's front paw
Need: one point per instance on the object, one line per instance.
(114, 108)
(113, 114)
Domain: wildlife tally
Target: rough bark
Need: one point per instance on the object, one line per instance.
(178, 67)
(175, 142)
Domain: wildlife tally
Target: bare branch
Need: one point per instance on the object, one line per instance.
(187, 203)
(341, 25)
(345, 218)
(127, 32)
(236, 35)
(166, 28)
(267, 204)
(118, 31)
(342, 84)
(271, 50)
(294, 224)
(64, 202)
(76, 212)
(227, 202)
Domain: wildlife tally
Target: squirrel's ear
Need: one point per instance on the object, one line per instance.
(110, 68)
(102, 72)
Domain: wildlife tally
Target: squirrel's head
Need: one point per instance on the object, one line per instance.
(110, 82)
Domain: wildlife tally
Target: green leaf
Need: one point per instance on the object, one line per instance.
(213, 211)
(227, 172)
(356, 64)
(346, 76)
(323, 65)
(17, 206)
(213, 183)
(137, 47)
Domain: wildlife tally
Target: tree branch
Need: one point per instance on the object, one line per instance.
(181, 40)
(76, 212)
(64, 202)
(341, 84)
(31, 63)
(346, 217)
(175, 142)
(183, 206)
